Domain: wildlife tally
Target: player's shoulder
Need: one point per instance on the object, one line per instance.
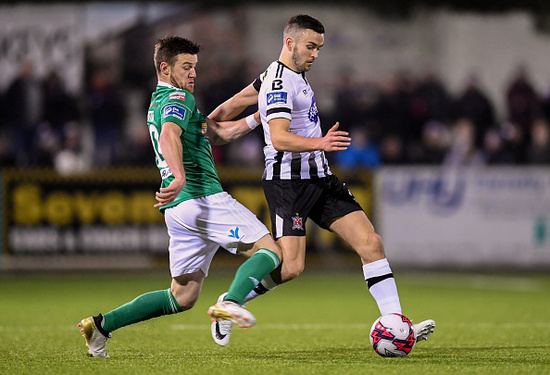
(278, 76)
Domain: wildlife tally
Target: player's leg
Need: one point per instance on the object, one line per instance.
(289, 205)
(293, 249)
(356, 230)
(190, 258)
(235, 228)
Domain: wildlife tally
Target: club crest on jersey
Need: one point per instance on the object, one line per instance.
(178, 96)
(313, 113)
(276, 97)
(174, 111)
(204, 128)
(297, 222)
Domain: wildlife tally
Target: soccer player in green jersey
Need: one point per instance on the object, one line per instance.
(200, 216)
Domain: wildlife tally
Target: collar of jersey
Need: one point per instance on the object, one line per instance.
(303, 74)
(165, 84)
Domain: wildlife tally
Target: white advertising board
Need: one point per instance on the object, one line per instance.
(485, 218)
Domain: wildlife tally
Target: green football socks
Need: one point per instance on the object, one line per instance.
(251, 273)
(146, 306)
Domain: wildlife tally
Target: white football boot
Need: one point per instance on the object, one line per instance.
(423, 329)
(221, 330)
(95, 340)
(229, 310)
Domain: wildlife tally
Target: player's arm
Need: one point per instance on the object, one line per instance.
(235, 105)
(172, 151)
(283, 140)
(220, 133)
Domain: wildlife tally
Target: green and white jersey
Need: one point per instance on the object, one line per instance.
(170, 104)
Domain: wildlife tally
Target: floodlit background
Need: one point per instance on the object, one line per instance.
(448, 106)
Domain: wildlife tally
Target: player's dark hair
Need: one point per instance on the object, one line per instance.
(167, 50)
(304, 22)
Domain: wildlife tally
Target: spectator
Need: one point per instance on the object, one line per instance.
(24, 109)
(434, 146)
(392, 150)
(393, 108)
(463, 151)
(361, 153)
(539, 150)
(431, 100)
(107, 116)
(71, 159)
(474, 105)
(494, 150)
(515, 143)
(522, 101)
(59, 106)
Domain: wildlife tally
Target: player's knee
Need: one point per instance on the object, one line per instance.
(372, 248)
(186, 303)
(291, 271)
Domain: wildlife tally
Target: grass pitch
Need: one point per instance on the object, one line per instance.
(316, 324)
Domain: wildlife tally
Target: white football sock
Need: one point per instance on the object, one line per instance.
(263, 287)
(382, 287)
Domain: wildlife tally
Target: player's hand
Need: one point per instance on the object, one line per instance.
(336, 140)
(257, 117)
(167, 195)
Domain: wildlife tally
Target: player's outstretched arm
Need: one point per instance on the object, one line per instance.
(283, 140)
(235, 105)
(172, 151)
(220, 133)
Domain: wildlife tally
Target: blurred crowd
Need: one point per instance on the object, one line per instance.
(416, 120)
(403, 120)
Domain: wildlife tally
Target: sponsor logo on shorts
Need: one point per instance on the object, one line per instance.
(174, 111)
(234, 233)
(276, 98)
(297, 222)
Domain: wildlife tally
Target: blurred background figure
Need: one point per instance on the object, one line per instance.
(463, 151)
(362, 153)
(539, 150)
(72, 158)
(107, 116)
(474, 105)
(60, 107)
(434, 146)
(522, 101)
(494, 149)
(392, 151)
(24, 106)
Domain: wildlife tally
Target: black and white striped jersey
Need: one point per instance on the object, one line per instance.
(283, 93)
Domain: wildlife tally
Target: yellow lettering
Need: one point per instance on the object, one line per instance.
(141, 210)
(57, 208)
(112, 208)
(85, 207)
(26, 204)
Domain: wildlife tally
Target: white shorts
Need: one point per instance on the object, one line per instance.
(198, 227)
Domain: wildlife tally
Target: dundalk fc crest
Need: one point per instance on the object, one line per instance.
(297, 222)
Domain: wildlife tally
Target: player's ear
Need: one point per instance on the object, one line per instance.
(165, 68)
(289, 43)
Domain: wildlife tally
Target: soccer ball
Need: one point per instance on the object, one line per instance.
(392, 335)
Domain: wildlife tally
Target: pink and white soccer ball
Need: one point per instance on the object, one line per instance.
(392, 335)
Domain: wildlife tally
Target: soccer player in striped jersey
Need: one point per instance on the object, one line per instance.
(199, 215)
(297, 180)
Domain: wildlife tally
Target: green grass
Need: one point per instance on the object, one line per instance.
(317, 324)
